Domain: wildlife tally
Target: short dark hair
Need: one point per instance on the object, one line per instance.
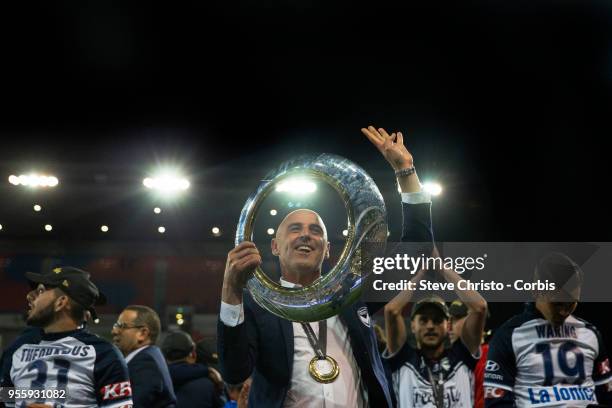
(148, 318)
(76, 310)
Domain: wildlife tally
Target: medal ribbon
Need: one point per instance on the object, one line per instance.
(437, 386)
(318, 345)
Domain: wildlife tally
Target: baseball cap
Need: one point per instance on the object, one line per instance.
(207, 352)
(457, 309)
(177, 345)
(434, 301)
(75, 283)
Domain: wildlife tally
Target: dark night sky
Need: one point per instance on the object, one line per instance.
(506, 103)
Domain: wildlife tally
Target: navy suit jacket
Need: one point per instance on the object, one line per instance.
(262, 346)
(151, 383)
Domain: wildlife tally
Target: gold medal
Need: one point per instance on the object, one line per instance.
(323, 370)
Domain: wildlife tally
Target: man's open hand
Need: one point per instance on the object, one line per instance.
(391, 146)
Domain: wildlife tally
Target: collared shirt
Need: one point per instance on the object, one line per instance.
(346, 391)
(130, 356)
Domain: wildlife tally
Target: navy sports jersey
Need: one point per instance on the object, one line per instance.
(533, 364)
(411, 378)
(91, 369)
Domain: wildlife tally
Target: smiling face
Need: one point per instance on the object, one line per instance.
(301, 246)
(430, 327)
(41, 306)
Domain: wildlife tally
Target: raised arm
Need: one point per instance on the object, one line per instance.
(237, 340)
(393, 150)
(471, 334)
(395, 326)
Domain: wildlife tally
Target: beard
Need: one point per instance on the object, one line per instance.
(431, 344)
(43, 318)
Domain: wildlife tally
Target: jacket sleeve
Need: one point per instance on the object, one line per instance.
(417, 225)
(416, 228)
(147, 381)
(237, 347)
(112, 381)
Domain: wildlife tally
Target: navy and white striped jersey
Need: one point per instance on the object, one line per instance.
(411, 378)
(533, 364)
(92, 370)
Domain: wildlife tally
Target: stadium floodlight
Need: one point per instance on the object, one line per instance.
(48, 227)
(33, 180)
(432, 188)
(297, 186)
(167, 182)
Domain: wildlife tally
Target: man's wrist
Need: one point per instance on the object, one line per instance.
(405, 172)
(407, 179)
(230, 295)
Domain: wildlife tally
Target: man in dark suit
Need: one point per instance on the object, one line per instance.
(277, 352)
(135, 334)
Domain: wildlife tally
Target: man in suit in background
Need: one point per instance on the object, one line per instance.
(277, 352)
(135, 334)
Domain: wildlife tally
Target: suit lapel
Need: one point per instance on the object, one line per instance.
(355, 332)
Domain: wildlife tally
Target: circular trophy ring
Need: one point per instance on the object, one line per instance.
(367, 220)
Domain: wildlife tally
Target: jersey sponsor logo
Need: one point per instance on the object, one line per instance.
(117, 390)
(362, 312)
(32, 353)
(547, 331)
(559, 394)
(603, 367)
(426, 398)
(494, 392)
(491, 376)
(491, 366)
